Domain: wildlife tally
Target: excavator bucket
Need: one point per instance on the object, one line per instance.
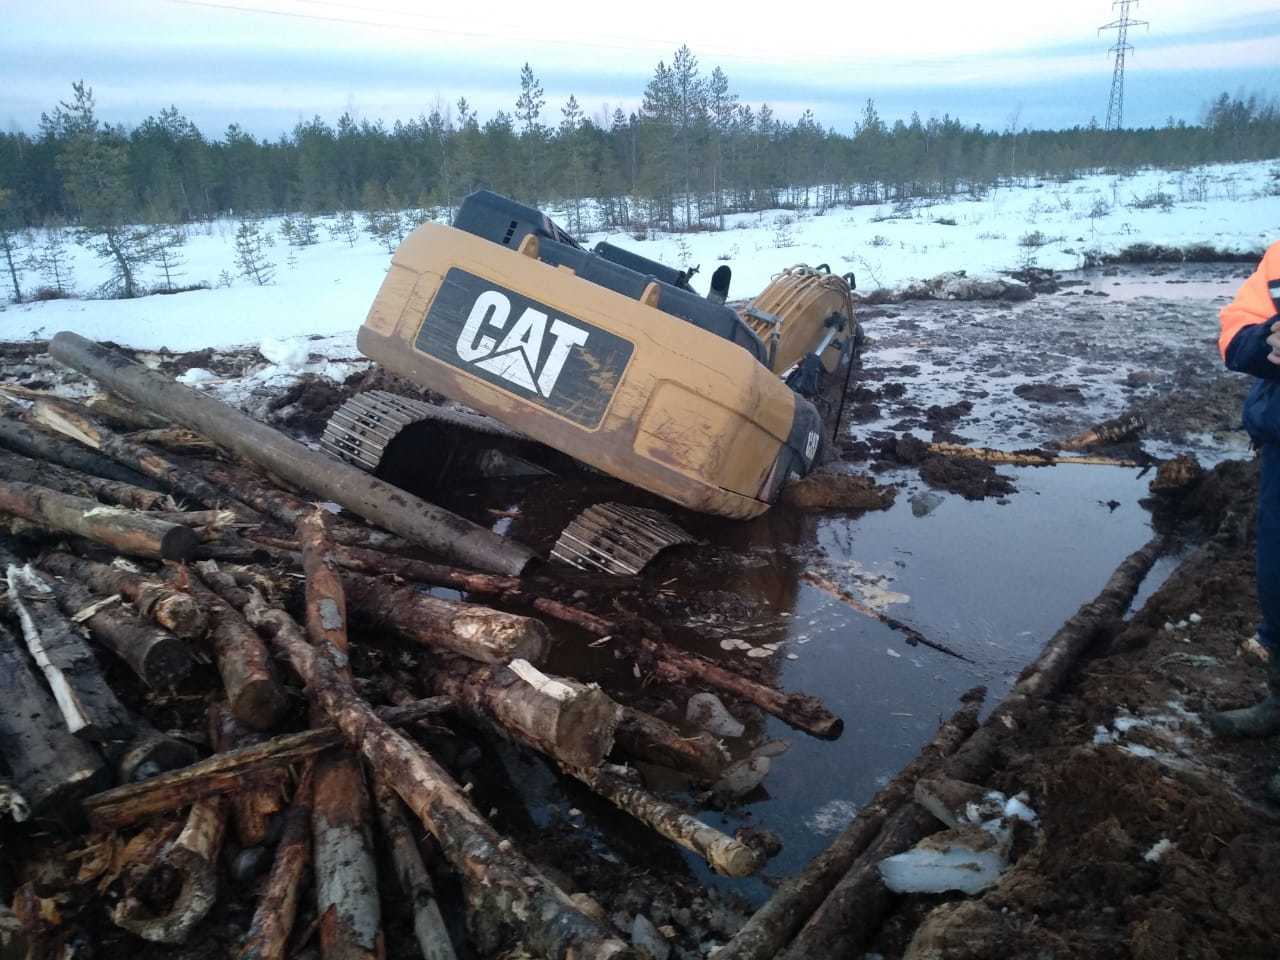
(620, 367)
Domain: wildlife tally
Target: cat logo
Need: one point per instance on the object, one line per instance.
(531, 353)
(532, 350)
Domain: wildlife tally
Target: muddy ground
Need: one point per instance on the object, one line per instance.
(1012, 376)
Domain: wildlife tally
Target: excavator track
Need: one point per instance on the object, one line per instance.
(617, 539)
(361, 430)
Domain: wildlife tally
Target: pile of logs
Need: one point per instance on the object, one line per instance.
(163, 548)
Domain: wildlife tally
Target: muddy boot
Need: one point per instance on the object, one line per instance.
(1260, 720)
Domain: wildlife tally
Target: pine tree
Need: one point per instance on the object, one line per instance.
(532, 134)
(94, 168)
(166, 254)
(722, 106)
(689, 118)
(9, 243)
(251, 254)
(344, 228)
(52, 261)
(574, 158)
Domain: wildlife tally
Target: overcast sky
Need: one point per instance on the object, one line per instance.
(267, 63)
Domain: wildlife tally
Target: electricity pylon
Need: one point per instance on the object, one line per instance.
(1115, 106)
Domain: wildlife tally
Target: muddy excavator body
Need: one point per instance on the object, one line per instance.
(606, 356)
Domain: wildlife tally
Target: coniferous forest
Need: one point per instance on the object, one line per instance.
(692, 153)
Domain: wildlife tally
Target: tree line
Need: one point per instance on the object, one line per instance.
(692, 153)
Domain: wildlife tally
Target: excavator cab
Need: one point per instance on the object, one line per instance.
(604, 355)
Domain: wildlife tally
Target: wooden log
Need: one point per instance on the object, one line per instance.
(988, 455)
(1109, 431)
(85, 429)
(175, 440)
(150, 753)
(127, 531)
(479, 633)
(852, 912)
(511, 901)
(669, 662)
(415, 882)
(269, 499)
(347, 900)
(268, 935)
(157, 657)
(251, 810)
(175, 610)
(15, 467)
(128, 415)
(568, 721)
(774, 925)
(248, 677)
(439, 530)
(89, 706)
(193, 860)
(245, 768)
(512, 590)
(51, 768)
(646, 737)
(909, 633)
(573, 725)
(799, 710)
(21, 438)
(723, 853)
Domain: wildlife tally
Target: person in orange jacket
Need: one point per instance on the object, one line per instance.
(1250, 343)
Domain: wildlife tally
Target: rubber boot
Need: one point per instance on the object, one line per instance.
(1260, 720)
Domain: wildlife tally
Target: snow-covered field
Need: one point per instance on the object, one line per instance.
(329, 287)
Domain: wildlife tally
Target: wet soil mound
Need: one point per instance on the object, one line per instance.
(972, 479)
(838, 491)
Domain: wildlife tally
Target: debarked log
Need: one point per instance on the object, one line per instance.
(248, 677)
(15, 467)
(511, 901)
(50, 767)
(277, 908)
(725, 854)
(88, 704)
(157, 657)
(573, 725)
(568, 721)
(401, 513)
(175, 610)
(127, 531)
(479, 633)
(193, 859)
(646, 737)
(415, 882)
(347, 900)
(263, 764)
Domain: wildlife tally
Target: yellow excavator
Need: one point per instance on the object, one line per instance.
(605, 356)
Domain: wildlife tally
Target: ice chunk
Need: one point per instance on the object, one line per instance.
(196, 375)
(285, 353)
(706, 711)
(1017, 807)
(968, 859)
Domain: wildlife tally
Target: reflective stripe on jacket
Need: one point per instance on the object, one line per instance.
(1245, 325)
